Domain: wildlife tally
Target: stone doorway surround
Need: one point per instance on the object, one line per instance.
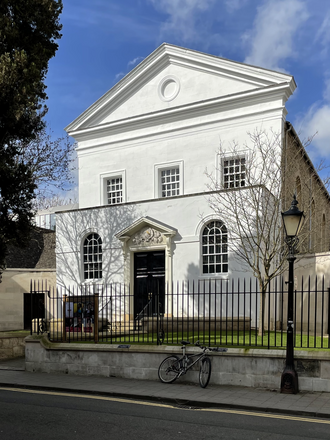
(146, 234)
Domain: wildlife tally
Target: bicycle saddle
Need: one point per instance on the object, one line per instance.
(185, 342)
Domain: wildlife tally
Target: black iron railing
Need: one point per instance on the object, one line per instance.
(217, 312)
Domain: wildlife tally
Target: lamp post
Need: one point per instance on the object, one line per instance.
(293, 220)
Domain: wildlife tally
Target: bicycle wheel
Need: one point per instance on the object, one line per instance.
(205, 372)
(169, 369)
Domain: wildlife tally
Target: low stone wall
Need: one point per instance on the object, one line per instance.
(251, 368)
(11, 347)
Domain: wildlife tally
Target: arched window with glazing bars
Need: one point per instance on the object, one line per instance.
(215, 248)
(92, 253)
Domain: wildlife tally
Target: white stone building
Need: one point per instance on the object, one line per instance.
(142, 150)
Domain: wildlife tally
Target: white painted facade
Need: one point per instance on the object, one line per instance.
(170, 112)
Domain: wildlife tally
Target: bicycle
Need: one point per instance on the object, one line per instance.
(174, 367)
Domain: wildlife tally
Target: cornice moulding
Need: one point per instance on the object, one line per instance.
(229, 102)
(165, 55)
(256, 74)
(180, 130)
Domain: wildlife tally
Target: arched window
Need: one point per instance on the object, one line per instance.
(298, 191)
(313, 228)
(92, 252)
(323, 248)
(215, 248)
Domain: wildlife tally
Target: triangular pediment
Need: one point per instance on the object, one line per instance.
(145, 231)
(172, 78)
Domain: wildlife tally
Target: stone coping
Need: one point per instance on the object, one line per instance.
(169, 349)
(4, 335)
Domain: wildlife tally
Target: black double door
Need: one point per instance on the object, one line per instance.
(149, 283)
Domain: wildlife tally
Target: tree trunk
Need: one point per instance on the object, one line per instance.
(263, 289)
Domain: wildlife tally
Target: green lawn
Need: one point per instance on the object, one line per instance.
(232, 339)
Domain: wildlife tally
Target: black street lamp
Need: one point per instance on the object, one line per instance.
(293, 220)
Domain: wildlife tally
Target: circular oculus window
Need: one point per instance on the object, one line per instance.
(169, 88)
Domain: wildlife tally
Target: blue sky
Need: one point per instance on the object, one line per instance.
(104, 39)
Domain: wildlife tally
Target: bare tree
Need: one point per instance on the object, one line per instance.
(51, 162)
(251, 202)
(44, 203)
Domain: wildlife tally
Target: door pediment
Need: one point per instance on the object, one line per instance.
(146, 232)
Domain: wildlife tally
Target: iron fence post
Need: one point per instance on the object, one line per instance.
(328, 311)
(64, 318)
(289, 379)
(96, 317)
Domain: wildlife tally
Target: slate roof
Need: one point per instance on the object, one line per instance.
(38, 254)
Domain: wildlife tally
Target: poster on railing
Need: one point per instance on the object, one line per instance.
(79, 315)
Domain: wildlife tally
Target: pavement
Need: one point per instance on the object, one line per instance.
(310, 404)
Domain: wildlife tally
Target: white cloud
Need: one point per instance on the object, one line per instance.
(323, 34)
(183, 16)
(234, 5)
(272, 38)
(135, 61)
(130, 64)
(326, 92)
(119, 76)
(316, 122)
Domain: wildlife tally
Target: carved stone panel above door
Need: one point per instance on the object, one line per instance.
(147, 236)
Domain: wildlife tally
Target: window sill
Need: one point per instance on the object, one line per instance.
(214, 276)
(92, 281)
